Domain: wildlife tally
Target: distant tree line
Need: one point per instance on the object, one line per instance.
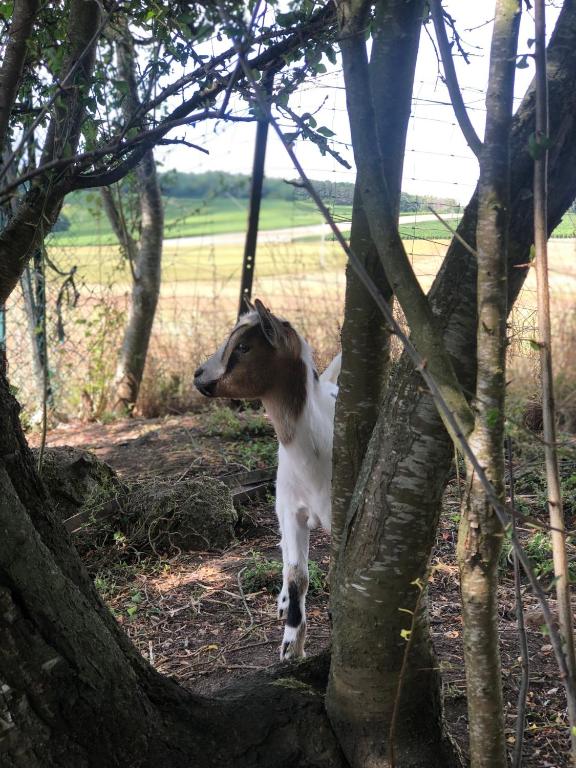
(212, 184)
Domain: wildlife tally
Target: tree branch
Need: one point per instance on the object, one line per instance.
(14, 58)
(40, 208)
(451, 79)
(384, 228)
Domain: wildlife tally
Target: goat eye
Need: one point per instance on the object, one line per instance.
(242, 348)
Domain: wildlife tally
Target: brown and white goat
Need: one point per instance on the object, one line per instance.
(265, 358)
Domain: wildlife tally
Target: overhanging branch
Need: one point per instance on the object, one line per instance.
(451, 79)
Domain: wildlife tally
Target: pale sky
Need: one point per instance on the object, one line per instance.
(438, 161)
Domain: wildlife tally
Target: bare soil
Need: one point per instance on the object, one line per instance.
(191, 617)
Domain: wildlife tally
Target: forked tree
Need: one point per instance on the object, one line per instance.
(75, 692)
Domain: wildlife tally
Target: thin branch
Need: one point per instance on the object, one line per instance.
(142, 142)
(317, 138)
(451, 79)
(310, 29)
(59, 87)
(238, 68)
(454, 233)
(523, 641)
(179, 117)
(540, 153)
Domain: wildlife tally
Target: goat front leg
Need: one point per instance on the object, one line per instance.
(292, 598)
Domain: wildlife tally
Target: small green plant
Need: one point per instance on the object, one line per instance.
(264, 575)
(223, 421)
(256, 423)
(539, 549)
(254, 454)
(317, 578)
(135, 602)
(104, 584)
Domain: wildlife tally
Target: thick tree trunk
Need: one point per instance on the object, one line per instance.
(361, 705)
(76, 693)
(481, 534)
(365, 336)
(392, 520)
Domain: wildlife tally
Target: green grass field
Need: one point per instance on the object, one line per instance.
(190, 217)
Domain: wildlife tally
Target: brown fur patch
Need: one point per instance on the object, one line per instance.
(299, 577)
(275, 374)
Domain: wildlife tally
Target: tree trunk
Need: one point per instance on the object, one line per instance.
(480, 537)
(390, 527)
(75, 691)
(42, 203)
(365, 336)
(146, 266)
(145, 256)
(34, 297)
(361, 705)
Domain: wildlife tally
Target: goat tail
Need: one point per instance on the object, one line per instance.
(333, 370)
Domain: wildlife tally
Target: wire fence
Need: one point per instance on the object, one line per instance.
(300, 274)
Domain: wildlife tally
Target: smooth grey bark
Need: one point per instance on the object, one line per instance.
(480, 536)
(146, 261)
(451, 79)
(373, 188)
(392, 520)
(31, 292)
(144, 255)
(363, 698)
(554, 490)
(365, 336)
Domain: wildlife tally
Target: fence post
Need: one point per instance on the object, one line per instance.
(248, 261)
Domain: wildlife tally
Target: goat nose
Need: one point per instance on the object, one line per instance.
(198, 372)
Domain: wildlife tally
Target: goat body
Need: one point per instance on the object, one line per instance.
(265, 358)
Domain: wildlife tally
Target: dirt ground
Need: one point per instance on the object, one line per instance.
(194, 616)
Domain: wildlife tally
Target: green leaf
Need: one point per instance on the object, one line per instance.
(330, 55)
(523, 62)
(326, 131)
(282, 99)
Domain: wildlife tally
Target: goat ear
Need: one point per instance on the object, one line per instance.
(248, 306)
(271, 326)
